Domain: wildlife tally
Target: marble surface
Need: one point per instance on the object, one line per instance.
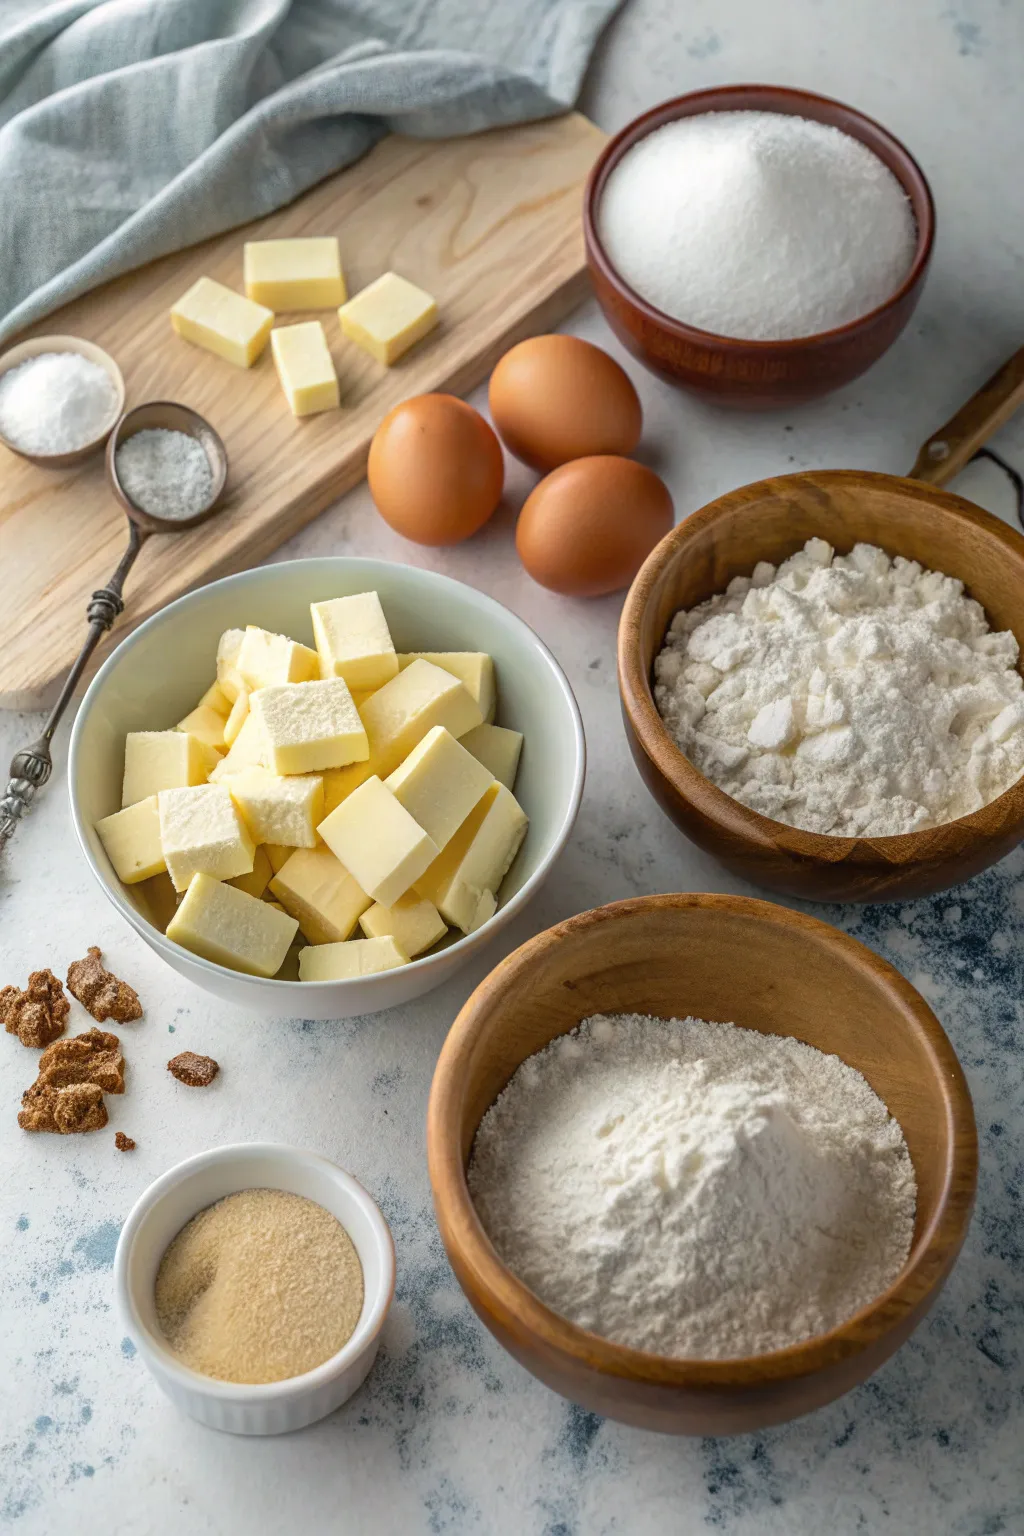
(449, 1435)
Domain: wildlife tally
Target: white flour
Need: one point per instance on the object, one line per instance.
(757, 224)
(854, 695)
(694, 1189)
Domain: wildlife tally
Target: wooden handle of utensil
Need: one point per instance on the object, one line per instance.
(954, 445)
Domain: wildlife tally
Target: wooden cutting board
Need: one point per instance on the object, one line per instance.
(489, 225)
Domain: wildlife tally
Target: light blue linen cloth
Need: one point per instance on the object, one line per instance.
(131, 128)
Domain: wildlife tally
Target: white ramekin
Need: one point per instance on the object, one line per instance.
(161, 1212)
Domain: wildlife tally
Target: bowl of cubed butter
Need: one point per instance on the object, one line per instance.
(316, 788)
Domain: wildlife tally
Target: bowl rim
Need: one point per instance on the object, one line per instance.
(685, 778)
(790, 101)
(36, 346)
(424, 963)
(517, 1308)
(156, 1352)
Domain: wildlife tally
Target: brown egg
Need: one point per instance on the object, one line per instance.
(556, 398)
(589, 526)
(435, 469)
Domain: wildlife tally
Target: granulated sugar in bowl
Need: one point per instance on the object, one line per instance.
(759, 226)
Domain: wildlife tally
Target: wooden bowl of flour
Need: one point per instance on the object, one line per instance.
(726, 369)
(770, 520)
(726, 958)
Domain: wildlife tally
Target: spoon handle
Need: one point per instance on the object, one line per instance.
(32, 766)
(948, 450)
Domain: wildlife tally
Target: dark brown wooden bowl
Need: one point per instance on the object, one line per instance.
(769, 521)
(757, 374)
(734, 959)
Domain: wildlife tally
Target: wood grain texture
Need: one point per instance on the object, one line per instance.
(489, 225)
(758, 375)
(953, 446)
(723, 958)
(769, 521)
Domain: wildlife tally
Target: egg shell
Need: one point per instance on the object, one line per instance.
(435, 469)
(587, 528)
(557, 398)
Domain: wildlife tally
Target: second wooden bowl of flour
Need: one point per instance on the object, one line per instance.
(728, 959)
(769, 521)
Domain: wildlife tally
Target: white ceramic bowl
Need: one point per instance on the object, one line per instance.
(159, 1215)
(156, 675)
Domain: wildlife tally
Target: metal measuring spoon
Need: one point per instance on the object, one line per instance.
(31, 767)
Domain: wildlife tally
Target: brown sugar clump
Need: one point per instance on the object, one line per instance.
(196, 1071)
(94, 1057)
(123, 1143)
(78, 1107)
(38, 1014)
(100, 991)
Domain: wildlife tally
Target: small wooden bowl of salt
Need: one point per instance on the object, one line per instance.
(59, 399)
(687, 959)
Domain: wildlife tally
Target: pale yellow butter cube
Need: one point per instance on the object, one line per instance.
(226, 324)
(305, 368)
(294, 274)
(309, 726)
(259, 877)
(340, 782)
(238, 716)
(378, 842)
(318, 890)
(388, 317)
(266, 659)
(463, 882)
(279, 810)
(156, 760)
(498, 749)
(229, 679)
(399, 715)
(278, 855)
(439, 783)
(353, 641)
(202, 833)
(216, 699)
(246, 751)
(131, 840)
(474, 670)
(346, 962)
(158, 900)
(232, 928)
(207, 724)
(413, 922)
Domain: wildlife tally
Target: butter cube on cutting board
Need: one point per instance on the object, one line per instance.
(279, 810)
(463, 881)
(309, 726)
(202, 833)
(156, 760)
(259, 877)
(265, 659)
(345, 962)
(413, 922)
(388, 317)
(378, 842)
(226, 324)
(207, 724)
(305, 368)
(294, 274)
(246, 751)
(319, 891)
(353, 641)
(131, 840)
(232, 928)
(399, 715)
(497, 748)
(474, 669)
(439, 783)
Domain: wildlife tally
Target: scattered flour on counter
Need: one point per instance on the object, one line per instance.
(694, 1189)
(846, 694)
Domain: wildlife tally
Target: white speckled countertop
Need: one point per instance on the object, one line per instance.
(449, 1435)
